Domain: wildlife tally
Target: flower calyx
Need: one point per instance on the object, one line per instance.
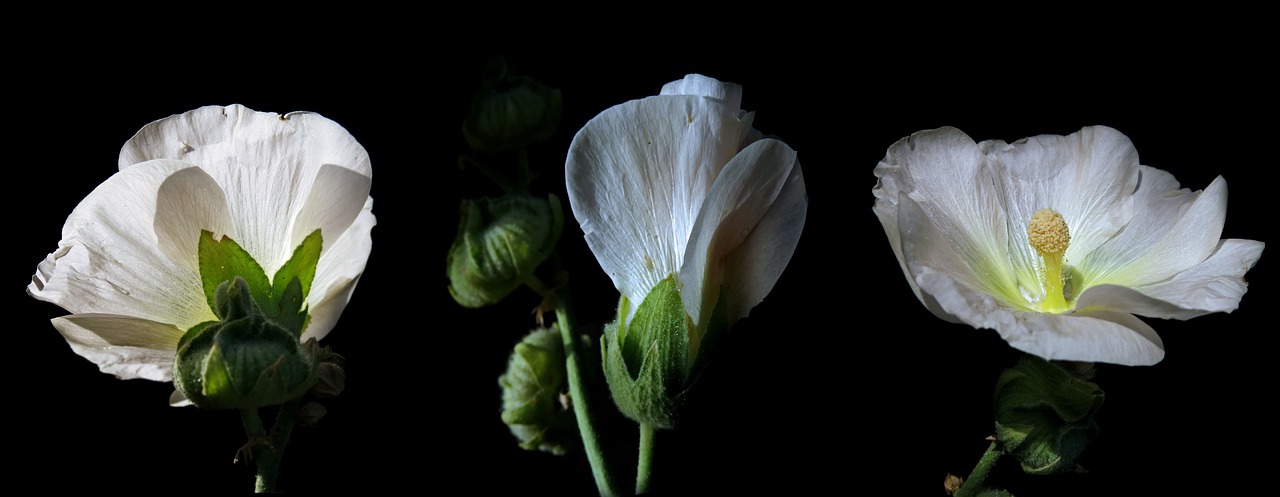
(251, 356)
(1045, 414)
(649, 362)
(500, 242)
(245, 359)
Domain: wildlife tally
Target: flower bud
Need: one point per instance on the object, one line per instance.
(245, 359)
(311, 413)
(649, 363)
(510, 112)
(1044, 415)
(500, 243)
(531, 394)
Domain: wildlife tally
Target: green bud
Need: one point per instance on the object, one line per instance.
(532, 390)
(500, 243)
(647, 362)
(510, 112)
(311, 413)
(245, 359)
(1044, 414)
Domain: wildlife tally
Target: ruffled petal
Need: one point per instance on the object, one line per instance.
(189, 201)
(1094, 335)
(1172, 231)
(936, 190)
(265, 162)
(1215, 285)
(124, 346)
(638, 173)
(729, 94)
(110, 259)
(1087, 176)
(336, 275)
(742, 195)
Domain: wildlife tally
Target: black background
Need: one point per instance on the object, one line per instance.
(840, 382)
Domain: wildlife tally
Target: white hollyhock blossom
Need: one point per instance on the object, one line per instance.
(127, 266)
(681, 184)
(1056, 242)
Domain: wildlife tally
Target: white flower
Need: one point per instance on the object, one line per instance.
(1057, 241)
(680, 184)
(126, 268)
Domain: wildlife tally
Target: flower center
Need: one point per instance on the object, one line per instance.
(1047, 233)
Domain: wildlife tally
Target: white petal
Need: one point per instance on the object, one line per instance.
(729, 94)
(338, 196)
(188, 202)
(1095, 336)
(176, 399)
(753, 269)
(110, 261)
(1171, 232)
(326, 311)
(124, 346)
(745, 191)
(948, 209)
(266, 163)
(1215, 285)
(336, 275)
(1087, 176)
(637, 175)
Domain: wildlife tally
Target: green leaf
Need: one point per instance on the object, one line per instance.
(222, 261)
(302, 266)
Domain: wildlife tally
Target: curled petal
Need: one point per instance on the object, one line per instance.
(746, 190)
(1091, 335)
(189, 201)
(124, 346)
(1215, 285)
(753, 269)
(339, 269)
(1172, 231)
(338, 196)
(637, 175)
(729, 94)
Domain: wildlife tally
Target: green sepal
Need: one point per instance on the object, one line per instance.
(646, 363)
(300, 266)
(1045, 415)
(223, 261)
(500, 242)
(531, 388)
(246, 359)
(293, 313)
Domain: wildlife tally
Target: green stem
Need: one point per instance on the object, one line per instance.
(268, 451)
(605, 482)
(973, 484)
(647, 434)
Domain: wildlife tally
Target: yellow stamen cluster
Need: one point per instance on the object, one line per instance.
(1047, 233)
